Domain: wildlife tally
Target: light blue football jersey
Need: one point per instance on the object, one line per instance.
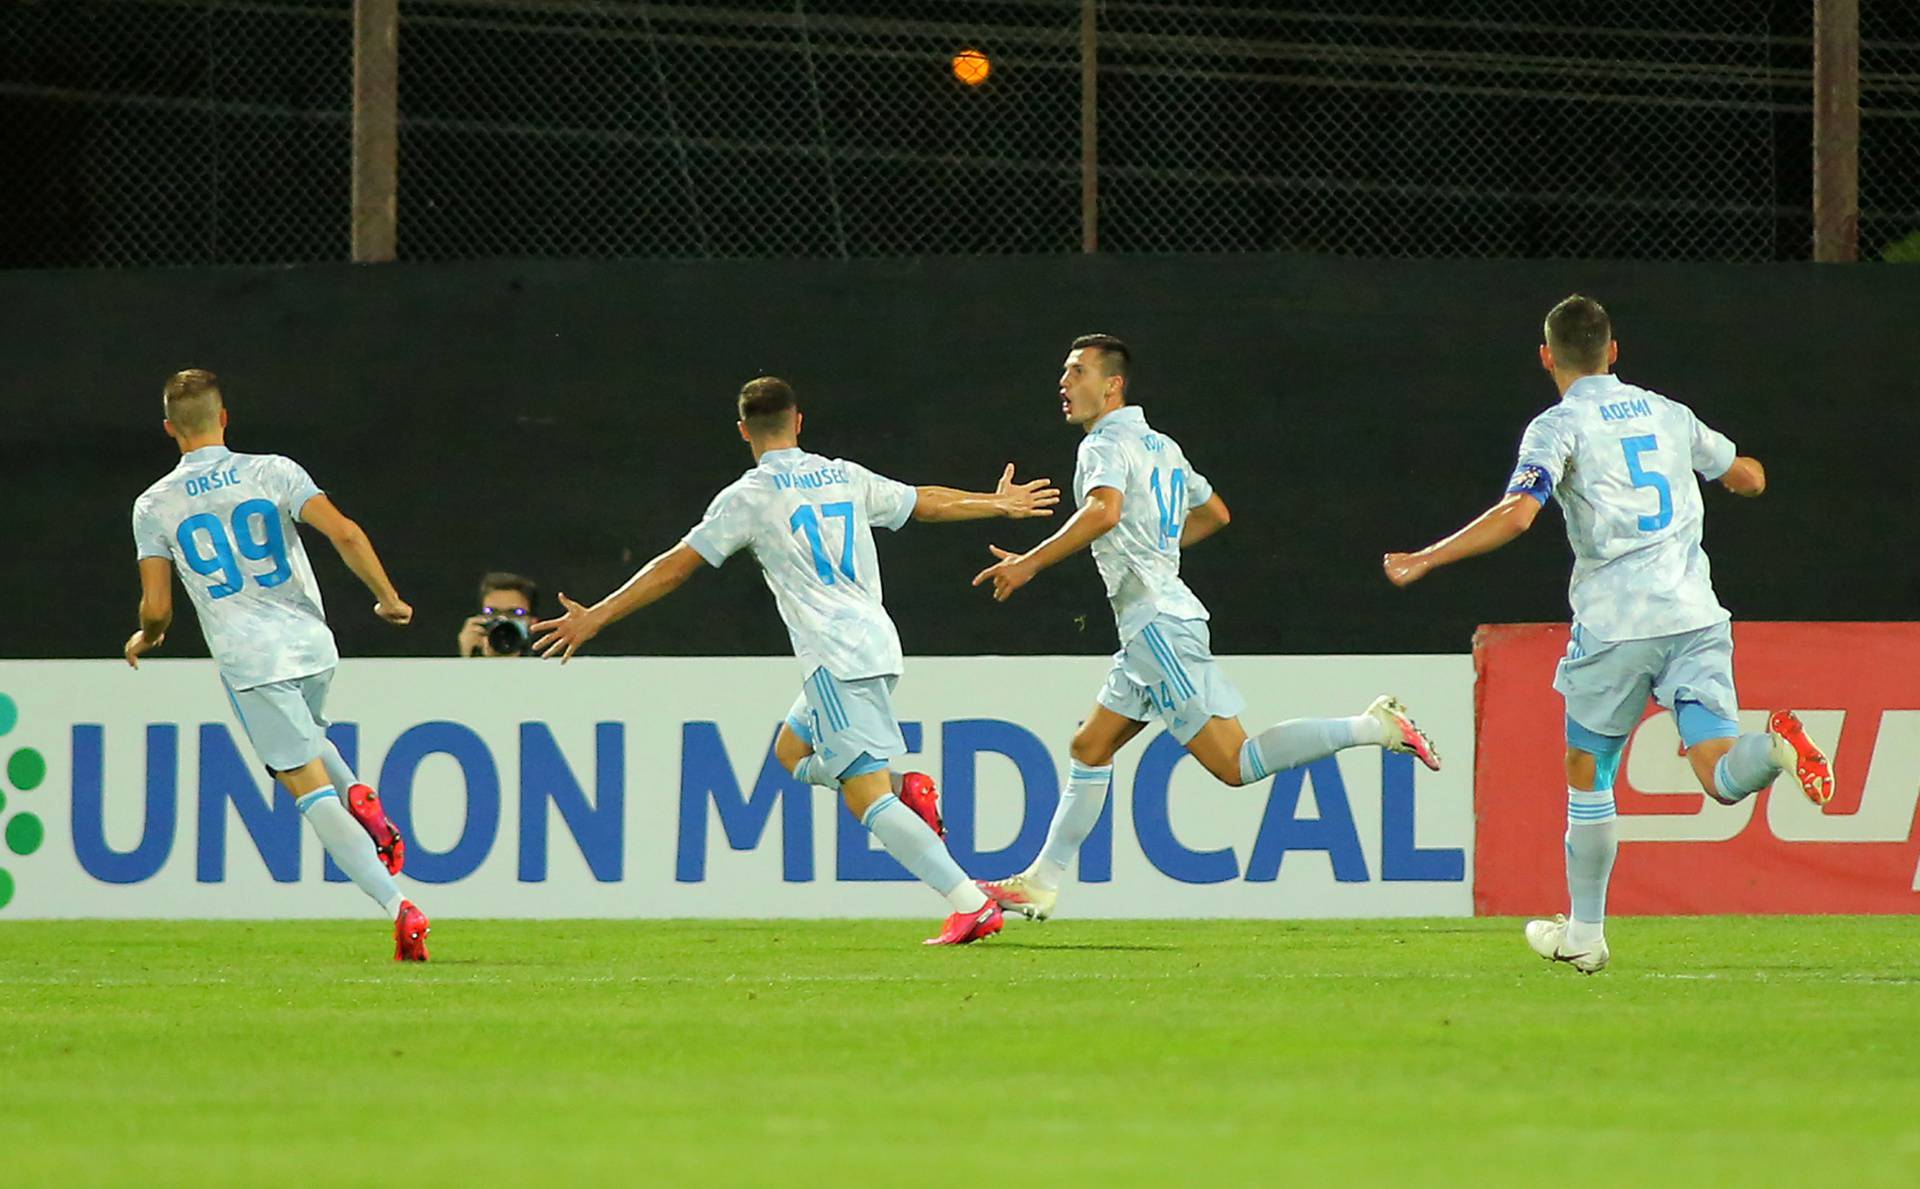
(1139, 559)
(1621, 460)
(229, 523)
(809, 521)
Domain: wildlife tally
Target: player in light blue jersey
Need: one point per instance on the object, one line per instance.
(809, 520)
(1141, 502)
(1621, 462)
(229, 523)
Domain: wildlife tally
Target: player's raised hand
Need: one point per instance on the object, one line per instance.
(1022, 501)
(568, 632)
(1007, 574)
(1404, 569)
(396, 611)
(138, 646)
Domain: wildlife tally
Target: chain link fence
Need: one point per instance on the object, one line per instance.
(1638, 129)
(163, 132)
(1890, 131)
(216, 131)
(804, 128)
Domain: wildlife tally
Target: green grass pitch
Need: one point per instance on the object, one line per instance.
(1729, 1051)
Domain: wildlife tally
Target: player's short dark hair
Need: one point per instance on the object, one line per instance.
(1116, 359)
(502, 580)
(192, 400)
(767, 404)
(1578, 331)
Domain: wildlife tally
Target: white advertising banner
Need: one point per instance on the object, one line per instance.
(639, 787)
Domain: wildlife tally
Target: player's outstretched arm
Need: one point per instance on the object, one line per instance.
(1487, 532)
(580, 623)
(1204, 521)
(1745, 477)
(356, 549)
(1095, 519)
(1015, 501)
(156, 609)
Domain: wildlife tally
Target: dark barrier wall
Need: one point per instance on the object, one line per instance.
(570, 420)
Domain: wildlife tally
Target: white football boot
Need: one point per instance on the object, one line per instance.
(1022, 894)
(1549, 940)
(1403, 734)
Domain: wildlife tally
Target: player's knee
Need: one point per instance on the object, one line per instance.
(1226, 771)
(863, 792)
(1094, 753)
(1704, 756)
(1593, 759)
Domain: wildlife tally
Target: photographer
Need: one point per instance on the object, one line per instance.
(506, 610)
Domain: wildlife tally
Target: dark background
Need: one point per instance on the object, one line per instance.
(187, 132)
(569, 420)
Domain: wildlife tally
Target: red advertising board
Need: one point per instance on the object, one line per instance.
(1857, 687)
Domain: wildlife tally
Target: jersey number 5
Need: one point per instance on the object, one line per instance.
(806, 519)
(256, 534)
(1633, 448)
(1173, 504)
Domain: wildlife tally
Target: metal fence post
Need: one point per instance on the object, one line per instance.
(376, 98)
(1089, 128)
(1836, 130)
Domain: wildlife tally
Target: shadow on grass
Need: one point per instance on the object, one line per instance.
(1078, 945)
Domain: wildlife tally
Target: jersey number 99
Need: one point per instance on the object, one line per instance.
(257, 536)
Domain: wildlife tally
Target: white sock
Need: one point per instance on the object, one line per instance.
(1081, 800)
(919, 850)
(1747, 768)
(1304, 740)
(351, 847)
(1591, 846)
(337, 770)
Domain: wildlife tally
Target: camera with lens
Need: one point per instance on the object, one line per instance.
(507, 634)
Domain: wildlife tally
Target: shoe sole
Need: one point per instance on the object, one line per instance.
(1819, 786)
(1413, 741)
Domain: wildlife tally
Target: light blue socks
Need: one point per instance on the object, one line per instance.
(919, 850)
(1747, 767)
(1592, 843)
(337, 770)
(1081, 801)
(1304, 740)
(351, 847)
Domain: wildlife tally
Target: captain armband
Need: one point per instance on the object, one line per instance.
(1529, 479)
